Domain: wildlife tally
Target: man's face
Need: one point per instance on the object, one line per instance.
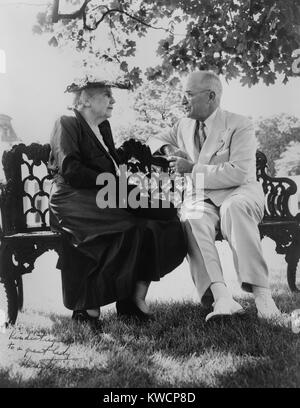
(196, 99)
(102, 103)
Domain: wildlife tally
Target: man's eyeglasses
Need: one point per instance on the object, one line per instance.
(190, 96)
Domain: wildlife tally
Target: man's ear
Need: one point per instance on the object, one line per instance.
(212, 96)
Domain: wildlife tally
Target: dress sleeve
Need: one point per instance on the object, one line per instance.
(65, 157)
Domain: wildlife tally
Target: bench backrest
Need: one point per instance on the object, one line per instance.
(25, 202)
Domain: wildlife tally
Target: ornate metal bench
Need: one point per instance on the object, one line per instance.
(25, 232)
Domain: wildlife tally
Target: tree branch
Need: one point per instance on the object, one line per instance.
(110, 11)
(114, 40)
(56, 16)
(81, 13)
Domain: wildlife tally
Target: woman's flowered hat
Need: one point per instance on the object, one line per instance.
(91, 81)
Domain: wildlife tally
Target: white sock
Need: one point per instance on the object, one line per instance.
(219, 290)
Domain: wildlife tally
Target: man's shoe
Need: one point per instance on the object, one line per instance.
(224, 308)
(266, 307)
(81, 316)
(127, 308)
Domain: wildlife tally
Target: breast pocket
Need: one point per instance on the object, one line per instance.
(221, 156)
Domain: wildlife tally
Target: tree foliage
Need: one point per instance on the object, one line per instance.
(159, 103)
(157, 106)
(289, 162)
(249, 39)
(275, 135)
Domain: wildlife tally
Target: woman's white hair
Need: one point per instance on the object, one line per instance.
(81, 96)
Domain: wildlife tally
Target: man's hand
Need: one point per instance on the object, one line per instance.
(180, 165)
(180, 153)
(170, 150)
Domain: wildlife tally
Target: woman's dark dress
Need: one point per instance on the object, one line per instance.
(114, 247)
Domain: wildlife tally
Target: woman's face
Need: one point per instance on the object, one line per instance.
(101, 103)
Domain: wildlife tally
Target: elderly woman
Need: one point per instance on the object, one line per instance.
(112, 254)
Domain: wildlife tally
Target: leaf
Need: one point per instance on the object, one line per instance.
(230, 41)
(36, 29)
(269, 78)
(285, 79)
(124, 66)
(241, 47)
(53, 42)
(232, 70)
(246, 80)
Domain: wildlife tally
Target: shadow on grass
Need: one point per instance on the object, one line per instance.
(178, 349)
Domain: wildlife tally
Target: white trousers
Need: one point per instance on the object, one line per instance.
(238, 219)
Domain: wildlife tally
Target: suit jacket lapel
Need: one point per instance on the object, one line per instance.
(188, 138)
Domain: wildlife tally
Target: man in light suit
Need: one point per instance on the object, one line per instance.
(221, 146)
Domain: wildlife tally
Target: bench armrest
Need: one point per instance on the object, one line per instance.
(277, 190)
(3, 197)
(2, 194)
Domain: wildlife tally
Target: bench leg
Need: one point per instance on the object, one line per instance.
(292, 258)
(10, 287)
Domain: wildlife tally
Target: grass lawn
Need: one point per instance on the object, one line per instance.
(177, 350)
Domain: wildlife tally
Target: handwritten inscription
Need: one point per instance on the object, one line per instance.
(38, 350)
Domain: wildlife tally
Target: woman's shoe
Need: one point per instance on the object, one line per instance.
(81, 316)
(128, 308)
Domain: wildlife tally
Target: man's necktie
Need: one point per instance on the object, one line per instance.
(202, 134)
(199, 138)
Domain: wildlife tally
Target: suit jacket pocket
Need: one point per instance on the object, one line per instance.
(221, 156)
(223, 152)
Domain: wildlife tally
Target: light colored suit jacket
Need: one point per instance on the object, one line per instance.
(227, 159)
